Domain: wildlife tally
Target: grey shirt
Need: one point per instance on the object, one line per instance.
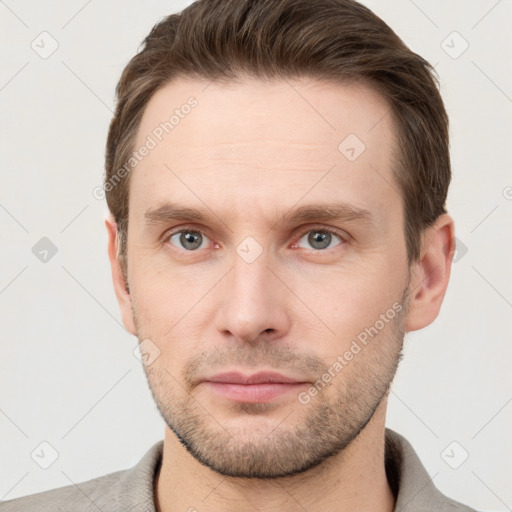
(133, 489)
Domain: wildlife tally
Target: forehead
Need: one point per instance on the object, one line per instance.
(264, 141)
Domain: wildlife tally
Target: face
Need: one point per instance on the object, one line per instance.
(262, 239)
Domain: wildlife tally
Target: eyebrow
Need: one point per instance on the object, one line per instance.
(169, 212)
(329, 212)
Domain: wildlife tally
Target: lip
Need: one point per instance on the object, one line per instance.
(256, 388)
(255, 378)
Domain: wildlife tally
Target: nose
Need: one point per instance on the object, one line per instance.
(253, 302)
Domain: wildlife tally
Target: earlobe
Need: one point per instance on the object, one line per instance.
(118, 279)
(431, 274)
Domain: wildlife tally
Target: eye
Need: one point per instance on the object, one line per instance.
(188, 239)
(320, 239)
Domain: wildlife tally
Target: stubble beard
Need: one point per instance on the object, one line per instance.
(279, 447)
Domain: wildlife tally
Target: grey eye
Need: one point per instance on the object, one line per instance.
(188, 239)
(320, 239)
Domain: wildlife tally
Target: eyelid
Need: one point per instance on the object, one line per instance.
(183, 227)
(304, 229)
(328, 229)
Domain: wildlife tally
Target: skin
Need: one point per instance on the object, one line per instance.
(249, 153)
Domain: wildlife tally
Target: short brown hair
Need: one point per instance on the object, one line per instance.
(338, 40)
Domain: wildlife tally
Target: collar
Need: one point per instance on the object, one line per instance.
(412, 486)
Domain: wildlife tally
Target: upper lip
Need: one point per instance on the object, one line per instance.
(255, 378)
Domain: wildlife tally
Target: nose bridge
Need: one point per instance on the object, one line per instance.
(250, 273)
(252, 300)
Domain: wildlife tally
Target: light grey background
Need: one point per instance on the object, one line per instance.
(68, 373)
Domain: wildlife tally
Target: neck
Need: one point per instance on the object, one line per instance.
(354, 479)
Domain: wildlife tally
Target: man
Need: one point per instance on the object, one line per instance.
(276, 172)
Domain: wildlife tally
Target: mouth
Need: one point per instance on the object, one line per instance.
(256, 388)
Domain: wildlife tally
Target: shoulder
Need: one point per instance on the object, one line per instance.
(82, 497)
(129, 489)
(412, 485)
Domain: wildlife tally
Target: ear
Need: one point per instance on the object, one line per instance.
(431, 273)
(123, 296)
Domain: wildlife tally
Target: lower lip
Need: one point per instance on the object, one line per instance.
(253, 393)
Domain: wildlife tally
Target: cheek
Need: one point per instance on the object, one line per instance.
(335, 302)
(163, 290)
(361, 318)
(169, 306)
(349, 297)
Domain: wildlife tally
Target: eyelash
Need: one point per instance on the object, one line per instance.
(343, 236)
